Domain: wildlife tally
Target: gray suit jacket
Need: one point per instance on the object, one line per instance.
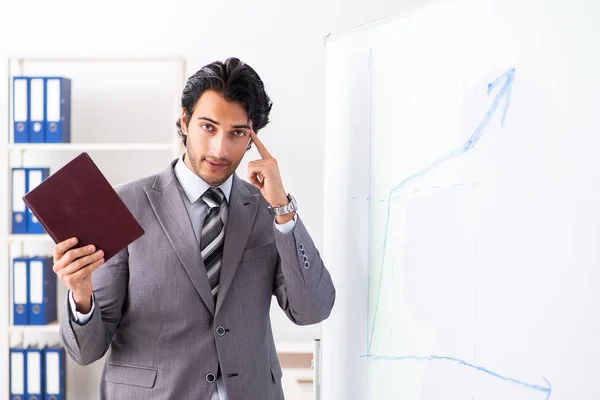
(155, 312)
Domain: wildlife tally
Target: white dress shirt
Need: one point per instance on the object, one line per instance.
(191, 187)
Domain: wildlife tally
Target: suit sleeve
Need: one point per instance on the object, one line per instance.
(89, 342)
(78, 317)
(302, 285)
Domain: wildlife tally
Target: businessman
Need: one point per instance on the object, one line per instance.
(184, 310)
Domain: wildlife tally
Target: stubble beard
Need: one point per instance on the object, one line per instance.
(198, 164)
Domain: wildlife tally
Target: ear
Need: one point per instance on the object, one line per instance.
(183, 121)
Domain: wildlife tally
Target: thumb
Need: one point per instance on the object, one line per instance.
(253, 178)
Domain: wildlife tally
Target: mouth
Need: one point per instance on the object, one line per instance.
(215, 166)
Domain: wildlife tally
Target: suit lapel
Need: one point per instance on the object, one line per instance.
(166, 201)
(242, 212)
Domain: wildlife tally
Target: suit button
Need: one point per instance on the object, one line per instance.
(304, 258)
(303, 251)
(306, 265)
(210, 378)
(220, 331)
(301, 246)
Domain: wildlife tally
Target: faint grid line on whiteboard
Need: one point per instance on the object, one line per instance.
(370, 67)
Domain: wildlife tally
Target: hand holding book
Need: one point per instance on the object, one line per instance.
(77, 206)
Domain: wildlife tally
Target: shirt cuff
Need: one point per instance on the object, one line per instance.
(78, 317)
(288, 227)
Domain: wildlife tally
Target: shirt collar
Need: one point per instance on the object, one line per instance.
(193, 185)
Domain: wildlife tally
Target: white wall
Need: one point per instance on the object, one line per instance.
(283, 41)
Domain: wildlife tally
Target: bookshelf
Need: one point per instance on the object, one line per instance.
(50, 328)
(123, 113)
(29, 238)
(92, 147)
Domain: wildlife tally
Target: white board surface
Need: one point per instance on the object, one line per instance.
(462, 140)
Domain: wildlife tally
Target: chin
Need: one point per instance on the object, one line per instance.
(215, 179)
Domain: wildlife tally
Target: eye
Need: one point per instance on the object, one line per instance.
(239, 133)
(207, 127)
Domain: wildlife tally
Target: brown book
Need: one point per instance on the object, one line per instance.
(77, 201)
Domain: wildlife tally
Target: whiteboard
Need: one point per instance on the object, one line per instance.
(461, 148)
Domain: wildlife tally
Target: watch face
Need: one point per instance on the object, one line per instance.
(292, 204)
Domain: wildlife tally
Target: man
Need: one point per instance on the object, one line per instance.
(184, 309)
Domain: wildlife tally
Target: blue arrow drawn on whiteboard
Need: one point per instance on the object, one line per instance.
(503, 95)
(543, 389)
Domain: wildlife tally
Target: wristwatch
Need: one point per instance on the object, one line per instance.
(292, 206)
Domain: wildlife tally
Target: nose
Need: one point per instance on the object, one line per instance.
(218, 145)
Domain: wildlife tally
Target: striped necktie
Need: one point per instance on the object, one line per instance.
(212, 237)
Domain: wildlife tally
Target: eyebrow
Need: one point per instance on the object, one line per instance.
(245, 126)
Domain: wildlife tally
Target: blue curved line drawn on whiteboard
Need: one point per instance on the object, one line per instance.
(505, 81)
(543, 389)
(503, 94)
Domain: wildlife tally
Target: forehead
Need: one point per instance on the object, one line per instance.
(214, 106)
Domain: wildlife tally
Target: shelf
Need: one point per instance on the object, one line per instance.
(91, 146)
(107, 91)
(300, 346)
(108, 59)
(50, 328)
(29, 237)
